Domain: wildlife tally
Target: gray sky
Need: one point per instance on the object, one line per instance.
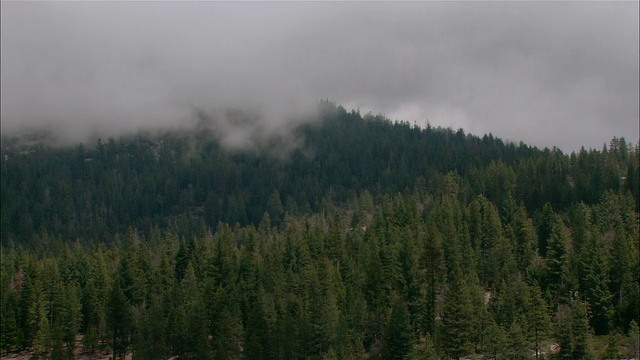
(546, 73)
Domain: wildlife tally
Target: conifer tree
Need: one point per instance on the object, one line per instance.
(432, 261)
(194, 332)
(71, 315)
(557, 260)
(524, 239)
(546, 223)
(517, 344)
(398, 336)
(409, 255)
(495, 340)
(457, 317)
(537, 318)
(118, 319)
(42, 339)
(595, 265)
(572, 331)
(9, 329)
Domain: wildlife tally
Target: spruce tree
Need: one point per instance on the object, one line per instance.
(595, 265)
(398, 336)
(557, 260)
(537, 318)
(9, 326)
(572, 331)
(517, 344)
(432, 261)
(42, 340)
(457, 317)
(118, 319)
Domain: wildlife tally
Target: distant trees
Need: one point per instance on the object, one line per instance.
(376, 239)
(93, 192)
(321, 287)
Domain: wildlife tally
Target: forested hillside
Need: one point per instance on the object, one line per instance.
(370, 239)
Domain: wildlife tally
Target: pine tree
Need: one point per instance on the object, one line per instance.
(517, 344)
(194, 332)
(225, 326)
(537, 318)
(582, 347)
(457, 317)
(275, 209)
(524, 239)
(497, 256)
(72, 315)
(324, 312)
(42, 340)
(26, 316)
(557, 260)
(9, 327)
(433, 262)
(410, 280)
(572, 331)
(118, 319)
(495, 340)
(92, 314)
(595, 283)
(398, 336)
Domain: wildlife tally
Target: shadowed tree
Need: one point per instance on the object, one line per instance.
(118, 319)
(398, 337)
(572, 331)
(457, 317)
(537, 318)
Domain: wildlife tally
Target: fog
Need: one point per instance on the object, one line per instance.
(547, 73)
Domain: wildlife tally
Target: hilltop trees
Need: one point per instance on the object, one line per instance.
(316, 288)
(373, 240)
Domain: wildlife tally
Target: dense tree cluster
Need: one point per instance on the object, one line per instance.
(374, 239)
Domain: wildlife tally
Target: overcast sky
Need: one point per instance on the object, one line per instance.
(546, 73)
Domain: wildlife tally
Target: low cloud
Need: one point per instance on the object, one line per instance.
(547, 73)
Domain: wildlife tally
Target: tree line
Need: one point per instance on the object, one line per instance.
(92, 192)
(383, 240)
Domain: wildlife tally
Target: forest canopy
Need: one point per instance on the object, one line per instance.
(368, 239)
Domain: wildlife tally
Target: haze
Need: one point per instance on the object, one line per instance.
(547, 73)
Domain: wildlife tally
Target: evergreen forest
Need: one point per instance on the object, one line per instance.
(369, 238)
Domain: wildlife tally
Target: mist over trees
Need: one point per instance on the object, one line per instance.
(368, 238)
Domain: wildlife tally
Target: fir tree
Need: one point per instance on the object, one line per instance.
(398, 337)
(537, 318)
(457, 317)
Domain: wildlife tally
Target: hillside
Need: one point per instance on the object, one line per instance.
(352, 237)
(92, 191)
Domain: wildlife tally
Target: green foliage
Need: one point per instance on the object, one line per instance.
(398, 337)
(537, 318)
(557, 261)
(372, 239)
(611, 351)
(118, 318)
(517, 347)
(42, 339)
(634, 336)
(10, 334)
(572, 331)
(457, 318)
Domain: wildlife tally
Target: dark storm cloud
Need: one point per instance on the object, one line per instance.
(546, 73)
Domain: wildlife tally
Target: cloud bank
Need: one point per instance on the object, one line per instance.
(547, 73)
